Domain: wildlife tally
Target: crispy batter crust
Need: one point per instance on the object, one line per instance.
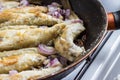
(27, 9)
(18, 27)
(15, 39)
(35, 18)
(31, 74)
(20, 62)
(64, 44)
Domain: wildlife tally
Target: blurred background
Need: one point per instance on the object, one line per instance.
(111, 5)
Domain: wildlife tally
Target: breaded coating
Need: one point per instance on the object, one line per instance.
(16, 39)
(8, 4)
(18, 27)
(65, 45)
(37, 18)
(33, 50)
(20, 62)
(27, 9)
(31, 74)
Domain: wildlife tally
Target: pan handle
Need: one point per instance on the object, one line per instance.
(114, 20)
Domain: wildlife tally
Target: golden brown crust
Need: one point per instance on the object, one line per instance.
(20, 62)
(32, 50)
(18, 27)
(37, 18)
(9, 60)
(27, 9)
(69, 50)
(8, 4)
(15, 39)
(31, 74)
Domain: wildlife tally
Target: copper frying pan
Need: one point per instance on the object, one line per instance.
(96, 21)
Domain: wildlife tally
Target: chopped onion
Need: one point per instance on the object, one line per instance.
(24, 3)
(53, 63)
(46, 50)
(63, 60)
(1, 7)
(56, 14)
(55, 11)
(12, 72)
(63, 12)
(67, 13)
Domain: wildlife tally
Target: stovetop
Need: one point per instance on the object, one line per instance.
(103, 64)
(106, 65)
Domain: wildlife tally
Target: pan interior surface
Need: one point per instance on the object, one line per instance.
(95, 20)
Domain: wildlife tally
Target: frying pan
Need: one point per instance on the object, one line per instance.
(96, 21)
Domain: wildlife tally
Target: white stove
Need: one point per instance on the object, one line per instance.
(104, 64)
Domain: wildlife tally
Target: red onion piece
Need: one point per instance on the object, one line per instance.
(1, 7)
(63, 60)
(56, 14)
(77, 21)
(24, 3)
(46, 50)
(12, 72)
(67, 13)
(53, 63)
(55, 11)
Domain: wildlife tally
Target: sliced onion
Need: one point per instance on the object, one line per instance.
(56, 14)
(67, 13)
(1, 7)
(46, 50)
(55, 11)
(63, 12)
(12, 72)
(63, 60)
(24, 3)
(77, 21)
(53, 63)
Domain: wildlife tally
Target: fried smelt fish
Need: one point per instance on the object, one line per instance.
(18, 27)
(32, 50)
(37, 18)
(5, 4)
(15, 39)
(20, 62)
(27, 9)
(69, 50)
(31, 74)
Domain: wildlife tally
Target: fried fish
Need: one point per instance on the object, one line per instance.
(36, 18)
(8, 4)
(27, 9)
(69, 50)
(20, 62)
(15, 39)
(32, 50)
(18, 27)
(31, 74)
